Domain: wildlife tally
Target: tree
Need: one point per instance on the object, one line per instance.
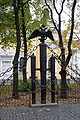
(64, 60)
(25, 11)
(14, 28)
(15, 62)
(10, 30)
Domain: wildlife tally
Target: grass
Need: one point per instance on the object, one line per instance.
(7, 89)
(73, 85)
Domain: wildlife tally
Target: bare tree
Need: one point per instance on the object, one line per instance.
(64, 60)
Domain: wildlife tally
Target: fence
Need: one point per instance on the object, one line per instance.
(25, 95)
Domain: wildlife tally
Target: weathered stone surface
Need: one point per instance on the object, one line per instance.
(61, 112)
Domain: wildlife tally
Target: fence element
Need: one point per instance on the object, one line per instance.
(33, 77)
(43, 69)
(52, 79)
(43, 72)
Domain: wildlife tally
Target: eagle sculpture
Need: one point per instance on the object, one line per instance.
(43, 34)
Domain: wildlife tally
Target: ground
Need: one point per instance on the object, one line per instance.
(61, 112)
(25, 98)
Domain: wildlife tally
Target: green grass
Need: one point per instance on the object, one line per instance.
(25, 86)
(6, 88)
(73, 85)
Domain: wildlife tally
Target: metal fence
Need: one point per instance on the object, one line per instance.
(25, 94)
(25, 97)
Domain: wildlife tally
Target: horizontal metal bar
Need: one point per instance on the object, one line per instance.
(39, 69)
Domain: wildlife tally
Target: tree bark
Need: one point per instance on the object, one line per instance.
(25, 43)
(15, 61)
(63, 84)
(63, 75)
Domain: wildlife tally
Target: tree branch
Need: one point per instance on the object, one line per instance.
(74, 22)
(76, 36)
(59, 33)
(72, 26)
(71, 34)
(59, 30)
(51, 15)
(55, 7)
(26, 2)
(62, 6)
(23, 4)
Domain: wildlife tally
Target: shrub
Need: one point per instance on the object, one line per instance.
(24, 86)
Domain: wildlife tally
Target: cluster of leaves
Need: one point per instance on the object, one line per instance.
(34, 16)
(38, 16)
(24, 86)
(7, 24)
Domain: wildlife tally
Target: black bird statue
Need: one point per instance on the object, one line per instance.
(43, 34)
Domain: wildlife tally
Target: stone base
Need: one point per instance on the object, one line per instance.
(44, 105)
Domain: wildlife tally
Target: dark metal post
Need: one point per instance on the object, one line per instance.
(33, 78)
(43, 72)
(52, 79)
(21, 64)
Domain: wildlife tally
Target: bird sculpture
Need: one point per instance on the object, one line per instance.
(43, 34)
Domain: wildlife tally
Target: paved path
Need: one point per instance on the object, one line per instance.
(61, 112)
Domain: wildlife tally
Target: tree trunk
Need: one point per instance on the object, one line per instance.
(63, 75)
(63, 84)
(15, 81)
(15, 62)
(25, 43)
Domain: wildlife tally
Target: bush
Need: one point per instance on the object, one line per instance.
(24, 86)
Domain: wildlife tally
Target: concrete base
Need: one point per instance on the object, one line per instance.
(43, 105)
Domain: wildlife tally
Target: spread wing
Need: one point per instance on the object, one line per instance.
(49, 35)
(36, 33)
